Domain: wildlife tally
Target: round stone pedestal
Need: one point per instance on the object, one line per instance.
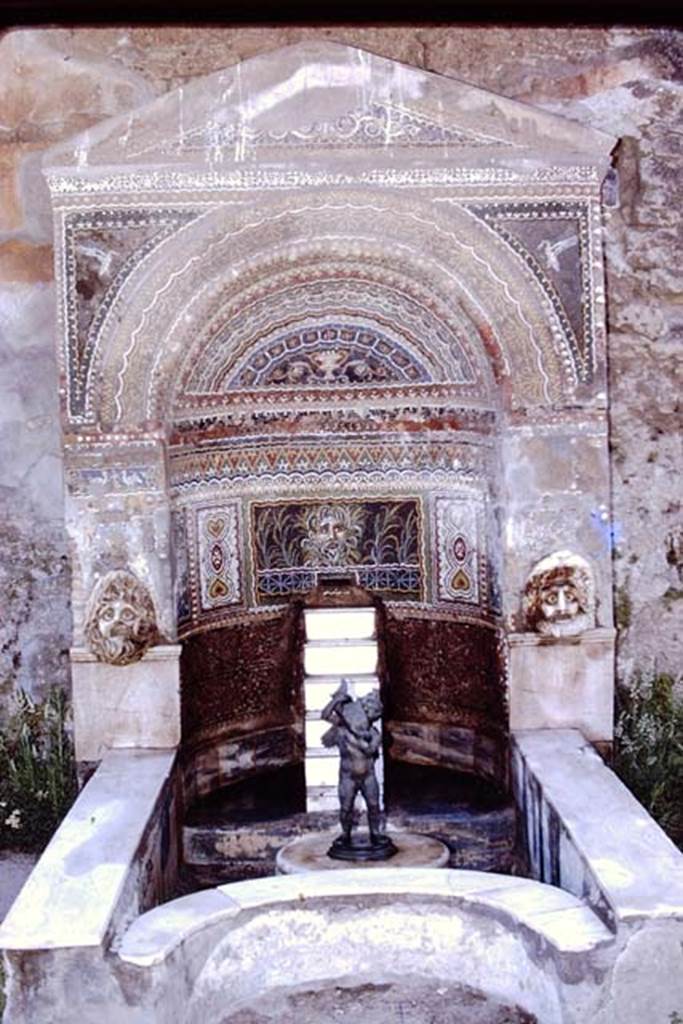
(309, 853)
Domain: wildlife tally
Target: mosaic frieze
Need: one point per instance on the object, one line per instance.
(552, 238)
(218, 570)
(118, 466)
(377, 542)
(102, 248)
(331, 354)
(460, 561)
(208, 427)
(377, 125)
(167, 183)
(315, 460)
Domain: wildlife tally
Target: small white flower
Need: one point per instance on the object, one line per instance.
(14, 819)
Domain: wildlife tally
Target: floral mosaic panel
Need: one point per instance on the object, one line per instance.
(218, 561)
(377, 542)
(460, 560)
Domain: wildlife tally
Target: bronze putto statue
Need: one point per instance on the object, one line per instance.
(353, 731)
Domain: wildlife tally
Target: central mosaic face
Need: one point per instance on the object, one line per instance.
(376, 542)
(331, 354)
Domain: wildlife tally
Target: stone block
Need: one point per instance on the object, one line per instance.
(134, 705)
(565, 683)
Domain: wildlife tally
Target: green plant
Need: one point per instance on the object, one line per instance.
(649, 749)
(37, 771)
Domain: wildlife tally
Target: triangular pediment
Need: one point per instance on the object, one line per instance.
(319, 99)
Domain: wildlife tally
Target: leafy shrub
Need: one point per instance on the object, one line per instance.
(37, 771)
(649, 749)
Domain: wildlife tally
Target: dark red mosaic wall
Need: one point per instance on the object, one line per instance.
(244, 677)
(446, 679)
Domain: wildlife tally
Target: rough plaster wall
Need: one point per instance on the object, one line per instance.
(55, 82)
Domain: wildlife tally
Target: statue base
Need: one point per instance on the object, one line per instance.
(311, 853)
(361, 848)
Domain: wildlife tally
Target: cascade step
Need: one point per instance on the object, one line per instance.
(319, 689)
(315, 730)
(350, 657)
(340, 623)
(322, 770)
(322, 798)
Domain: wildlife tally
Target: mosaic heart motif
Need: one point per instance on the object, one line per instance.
(218, 589)
(460, 581)
(215, 526)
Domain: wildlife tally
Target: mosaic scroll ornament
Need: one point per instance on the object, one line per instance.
(377, 542)
(218, 556)
(457, 545)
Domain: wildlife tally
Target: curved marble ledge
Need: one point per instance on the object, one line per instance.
(556, 917)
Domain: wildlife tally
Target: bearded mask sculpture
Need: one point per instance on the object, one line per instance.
(121, 623)
(559, 597)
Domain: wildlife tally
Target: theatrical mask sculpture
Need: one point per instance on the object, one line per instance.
(121, 623)
(559, 597)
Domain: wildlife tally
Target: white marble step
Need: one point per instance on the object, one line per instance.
(319, 689)
(340, 623)
(340, 657)
(315, 729)
(322, 798)
(321, 770)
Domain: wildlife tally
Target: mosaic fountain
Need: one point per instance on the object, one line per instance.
(321, 316)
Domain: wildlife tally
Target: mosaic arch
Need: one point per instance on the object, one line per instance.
(443, 279)
(323, 294)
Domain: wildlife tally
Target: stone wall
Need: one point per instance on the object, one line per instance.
(55, 82)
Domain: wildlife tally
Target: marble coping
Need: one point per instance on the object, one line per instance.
(71, 897)
(637, 867)
(557, 917)
(603, 636)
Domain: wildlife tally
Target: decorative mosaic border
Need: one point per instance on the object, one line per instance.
(461, 565)
(148, 183)
(215, 563)
(374, 126)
